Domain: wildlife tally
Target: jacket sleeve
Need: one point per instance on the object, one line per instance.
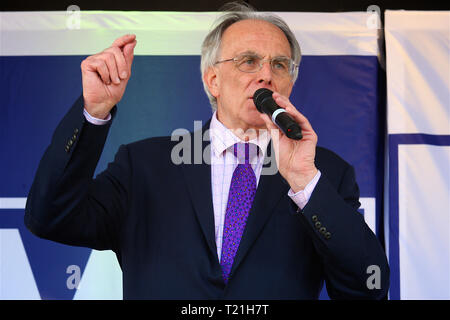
(65, 204)
(348, 248)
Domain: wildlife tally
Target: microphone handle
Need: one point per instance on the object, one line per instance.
(282, 119)
(289, 127)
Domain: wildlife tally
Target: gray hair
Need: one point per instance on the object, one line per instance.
(234, 12)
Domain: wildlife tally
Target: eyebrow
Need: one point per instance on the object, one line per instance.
(249, 52)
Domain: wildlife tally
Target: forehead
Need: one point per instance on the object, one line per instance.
(255, 35)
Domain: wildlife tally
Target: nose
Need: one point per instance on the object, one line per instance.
(265, 74)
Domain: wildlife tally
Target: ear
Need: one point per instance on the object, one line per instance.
(211, 80)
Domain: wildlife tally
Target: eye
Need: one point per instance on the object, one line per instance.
(249, 61)
(280, 64)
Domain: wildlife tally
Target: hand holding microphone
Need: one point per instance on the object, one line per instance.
(296, 148)
(266, 104)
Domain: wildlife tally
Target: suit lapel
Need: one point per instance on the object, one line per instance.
(270, 190)
(198, 181)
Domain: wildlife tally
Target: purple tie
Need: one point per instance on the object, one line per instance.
(240, 199)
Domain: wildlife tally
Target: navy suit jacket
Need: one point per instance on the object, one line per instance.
(158, 218)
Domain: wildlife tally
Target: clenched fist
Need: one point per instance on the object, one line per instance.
(105, 76)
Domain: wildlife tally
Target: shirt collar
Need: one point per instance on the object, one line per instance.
(223, 138)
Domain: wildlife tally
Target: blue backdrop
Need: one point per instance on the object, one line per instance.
(338, 94)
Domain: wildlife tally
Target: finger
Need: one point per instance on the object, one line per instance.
(122, 67)
(269, 124)
(275, 96)
(275, 133)
(284, 103)
(267, 121)
(307, 129)
(123, 40)
(110, 61)
(99, 66)
(128, 52)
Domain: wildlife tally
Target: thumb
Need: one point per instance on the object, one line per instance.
(128, 52)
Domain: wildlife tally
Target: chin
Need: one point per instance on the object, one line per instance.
(254, 120)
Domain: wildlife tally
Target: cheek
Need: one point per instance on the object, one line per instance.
(229, 85)
(234, 89)
(287, 89)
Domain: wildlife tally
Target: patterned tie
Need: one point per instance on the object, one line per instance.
(240, 199)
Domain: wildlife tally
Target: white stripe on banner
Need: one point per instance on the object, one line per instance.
(13, 203)
(171, 33)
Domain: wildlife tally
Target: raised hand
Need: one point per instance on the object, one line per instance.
(105, 76)
(295, 158)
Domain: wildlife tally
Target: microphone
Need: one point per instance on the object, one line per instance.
(266, 104)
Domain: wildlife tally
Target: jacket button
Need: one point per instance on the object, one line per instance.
(323, 230)
(327, 235)
(314, 218)
(74, 137)
(318, 224)
(75, 131)
(67, 148)
(70, 143)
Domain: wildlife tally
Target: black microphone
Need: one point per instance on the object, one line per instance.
(266, 104)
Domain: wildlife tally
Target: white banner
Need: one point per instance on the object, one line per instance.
(75, 32)
(418, 208)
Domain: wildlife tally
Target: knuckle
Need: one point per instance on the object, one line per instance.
(93, 63)
(115, 50)
(86, 62)
(104, 56)
(111, 50)
(97, 63)
(109, 56)
(94, 56)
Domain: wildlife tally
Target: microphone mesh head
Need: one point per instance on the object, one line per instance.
(260, 95)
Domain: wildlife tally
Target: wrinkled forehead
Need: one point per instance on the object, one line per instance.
(257, 36)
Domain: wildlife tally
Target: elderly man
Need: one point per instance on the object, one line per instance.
(219, 231)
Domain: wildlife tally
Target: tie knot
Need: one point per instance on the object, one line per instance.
(245, 151)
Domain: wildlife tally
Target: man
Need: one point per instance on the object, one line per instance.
(219, 231)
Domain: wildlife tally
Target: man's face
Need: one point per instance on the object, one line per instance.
(233, 88)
